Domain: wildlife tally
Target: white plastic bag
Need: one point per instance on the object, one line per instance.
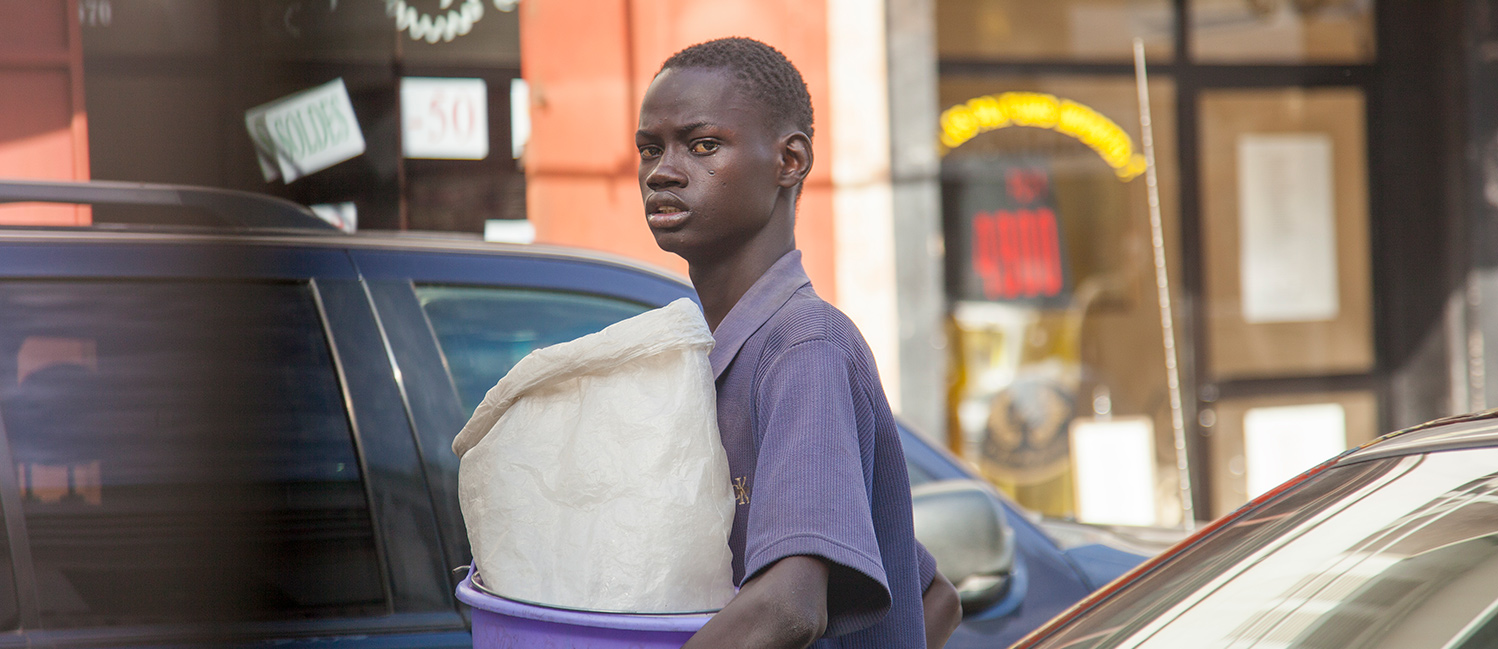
(592, 475)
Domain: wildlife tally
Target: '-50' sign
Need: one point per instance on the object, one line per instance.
(444, 118)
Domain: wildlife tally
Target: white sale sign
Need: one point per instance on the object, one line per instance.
(305, 132)
(445, 118)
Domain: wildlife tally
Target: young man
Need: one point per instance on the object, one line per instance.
(822, 542)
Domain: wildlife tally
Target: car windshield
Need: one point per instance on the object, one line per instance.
(1399, 552)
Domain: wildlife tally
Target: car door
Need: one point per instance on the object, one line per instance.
(457, 320)
(1043, 581)
(200, 447)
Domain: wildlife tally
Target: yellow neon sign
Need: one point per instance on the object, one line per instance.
(965, 121)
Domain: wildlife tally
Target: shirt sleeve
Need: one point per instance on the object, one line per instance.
(926, 564)
(811, 489)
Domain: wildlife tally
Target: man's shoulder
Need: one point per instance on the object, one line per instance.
(807, 318)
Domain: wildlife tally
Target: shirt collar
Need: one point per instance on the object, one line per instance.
(770, 292)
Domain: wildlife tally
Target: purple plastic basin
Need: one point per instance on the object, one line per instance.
(500, 623)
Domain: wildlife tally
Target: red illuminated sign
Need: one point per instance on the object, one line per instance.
(1005, 234)
(1017, 253)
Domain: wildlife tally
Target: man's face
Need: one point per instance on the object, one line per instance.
(709, 163)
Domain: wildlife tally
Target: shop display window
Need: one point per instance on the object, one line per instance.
(1055, 30)
(1059, 361)
(1050, 267)
(245, 94)
(1282, 31)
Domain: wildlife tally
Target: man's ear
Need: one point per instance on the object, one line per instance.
(795, 159)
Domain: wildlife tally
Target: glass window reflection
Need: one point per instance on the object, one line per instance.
(483, 332)
(1393, 553)
(160, 486)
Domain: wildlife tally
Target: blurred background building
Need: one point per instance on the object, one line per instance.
(1327, 174)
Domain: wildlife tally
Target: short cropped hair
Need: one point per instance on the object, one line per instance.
(766, 74)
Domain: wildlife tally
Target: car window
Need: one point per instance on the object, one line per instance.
(918, 475)
(484, 331)
(183, 454)
(1394, 553)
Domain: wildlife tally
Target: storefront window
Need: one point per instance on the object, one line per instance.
(1288, 279)
(1054, 30)
(1059, 373)
(1051, 272)
(1282, 31)
(313, 101)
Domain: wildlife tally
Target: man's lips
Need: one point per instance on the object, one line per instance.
(667, 219)
(665, 211)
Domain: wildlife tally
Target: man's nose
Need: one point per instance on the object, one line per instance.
(665, 173)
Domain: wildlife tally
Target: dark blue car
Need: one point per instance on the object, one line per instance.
(237, 432)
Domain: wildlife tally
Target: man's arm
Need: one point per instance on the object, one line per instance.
(783, 606)
(943, 611)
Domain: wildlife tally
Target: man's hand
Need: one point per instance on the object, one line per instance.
(943, 611)
(784, 606)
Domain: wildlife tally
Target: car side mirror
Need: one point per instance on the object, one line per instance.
(963, 525)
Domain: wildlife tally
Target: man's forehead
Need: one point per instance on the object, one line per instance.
(702, 87)
(724, 77)
(699, 97)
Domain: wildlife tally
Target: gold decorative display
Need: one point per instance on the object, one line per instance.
(964, 121)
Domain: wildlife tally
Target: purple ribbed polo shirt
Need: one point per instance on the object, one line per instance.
(815, 459)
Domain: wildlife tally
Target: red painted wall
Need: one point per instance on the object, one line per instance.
(588, 63)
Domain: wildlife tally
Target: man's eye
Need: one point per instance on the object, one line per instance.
(704, 146)
(649, 151)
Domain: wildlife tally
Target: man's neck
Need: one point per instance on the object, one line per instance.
(721, 282)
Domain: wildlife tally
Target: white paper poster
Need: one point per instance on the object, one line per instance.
(305, 132)
(509, 230)
(1115, 470)
(445, 118)
(1288, 255)
(1281, 442)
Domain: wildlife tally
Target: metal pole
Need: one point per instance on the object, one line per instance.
(1162, 288)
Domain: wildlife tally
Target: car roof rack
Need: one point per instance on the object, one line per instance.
(227, 207)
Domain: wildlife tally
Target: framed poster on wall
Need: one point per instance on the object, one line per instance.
(1285, 233)
(1259, 442)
